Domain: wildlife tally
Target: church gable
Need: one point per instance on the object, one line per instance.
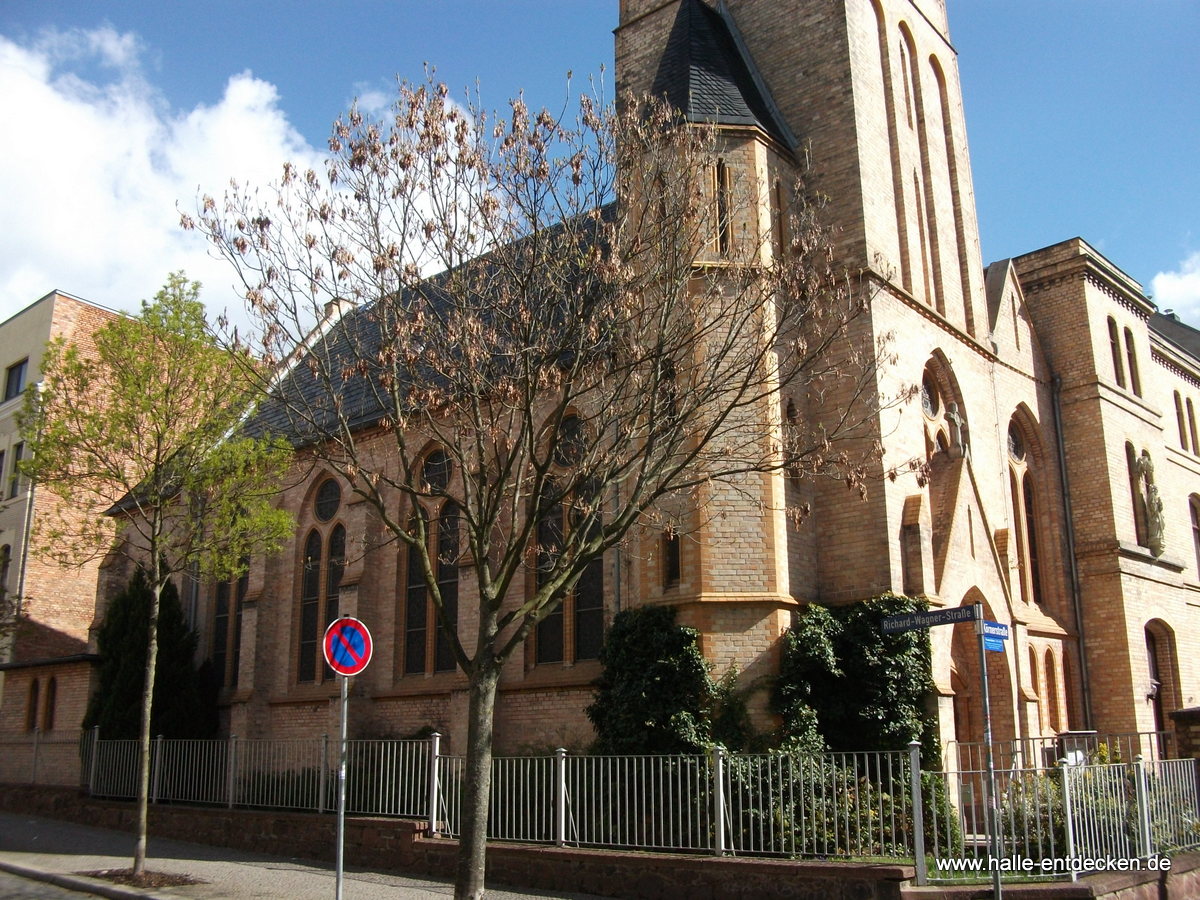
(1009, 321)
(964, 554)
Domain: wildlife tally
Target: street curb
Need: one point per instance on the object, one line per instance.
(83, 883)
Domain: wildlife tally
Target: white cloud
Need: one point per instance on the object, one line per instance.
(1180, 290)
(373, 102)
(97, 167)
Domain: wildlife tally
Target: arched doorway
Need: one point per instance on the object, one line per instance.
(1162, 676)
(968, 699)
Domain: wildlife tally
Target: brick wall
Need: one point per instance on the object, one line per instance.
(1187, 732)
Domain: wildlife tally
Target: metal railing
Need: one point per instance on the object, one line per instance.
(838, 804)
(641, 802)
(876, 806)
(1076, 747)
(1066, 813)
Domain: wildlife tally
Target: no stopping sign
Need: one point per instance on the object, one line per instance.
(347, 646)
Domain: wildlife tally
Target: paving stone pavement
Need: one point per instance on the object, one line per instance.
(54, 852)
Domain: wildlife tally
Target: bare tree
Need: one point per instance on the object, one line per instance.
(606, 340)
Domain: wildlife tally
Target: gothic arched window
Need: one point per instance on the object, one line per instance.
(31, 706)
(1024, 505)
(321, 567)
(1194, 510)
(227, 626)
(1114, 346)
(428, 648)
(1183, 440)
(574, 630)
(1135, 380)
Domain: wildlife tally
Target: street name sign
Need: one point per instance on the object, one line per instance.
(994, 636)
(928, 618)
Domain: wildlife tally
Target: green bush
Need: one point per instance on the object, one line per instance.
(178, 710)
(655, 695)
(846, 683)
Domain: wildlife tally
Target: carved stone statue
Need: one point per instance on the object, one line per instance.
(1156, 522)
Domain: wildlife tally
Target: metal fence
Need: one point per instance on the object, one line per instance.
(863, 806)
(1075, 747)
(1053, 822)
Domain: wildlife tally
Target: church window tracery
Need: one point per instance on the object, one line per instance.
(1024, 505)
(322, 565)
(428, 648)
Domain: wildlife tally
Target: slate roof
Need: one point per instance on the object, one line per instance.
(301, 408)
(1185, 337)
(707, 74)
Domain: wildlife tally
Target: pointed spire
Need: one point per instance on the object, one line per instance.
(706, 73)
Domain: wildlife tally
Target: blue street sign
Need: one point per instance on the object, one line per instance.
(995, 630)
(928, 618)
(994, 644)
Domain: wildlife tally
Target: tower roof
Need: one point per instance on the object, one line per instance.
(707, 74)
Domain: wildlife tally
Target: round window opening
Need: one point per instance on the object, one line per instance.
(436, 471)
(930, 401)
(329, 498)
(1016, 446)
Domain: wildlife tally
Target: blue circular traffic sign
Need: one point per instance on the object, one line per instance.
(347, 646)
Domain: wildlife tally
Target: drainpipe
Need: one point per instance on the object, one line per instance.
(26, 535)
(1073, 565)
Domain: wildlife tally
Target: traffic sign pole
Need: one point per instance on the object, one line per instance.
(341, 816)
(348, 648)
(990, 819)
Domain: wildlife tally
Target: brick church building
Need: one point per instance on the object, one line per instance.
(1056, 418)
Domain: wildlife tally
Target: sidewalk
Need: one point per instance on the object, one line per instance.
(54, 851)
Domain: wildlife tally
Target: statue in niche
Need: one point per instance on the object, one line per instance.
(1156, 522)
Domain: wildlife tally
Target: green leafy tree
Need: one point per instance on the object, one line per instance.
(179, 709)
(845, 683)
(140, 436)
(655, 695)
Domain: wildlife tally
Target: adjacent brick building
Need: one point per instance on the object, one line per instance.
(47, 654)
(1058, 460)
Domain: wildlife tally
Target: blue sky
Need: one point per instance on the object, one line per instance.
(1083, 118)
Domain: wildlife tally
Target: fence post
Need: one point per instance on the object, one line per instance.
(323, 787)
(231, 770)
(560, 797)
(718, 760)
(156, 762)
(918, 812)
(37, 740)
(1142, 793)
(434, 792)
(95, 757)
(1068, 814)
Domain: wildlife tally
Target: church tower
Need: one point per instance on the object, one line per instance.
(867, 91)
(862, 98)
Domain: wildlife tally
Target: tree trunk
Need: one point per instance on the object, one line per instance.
(139, 852)
(472, 848)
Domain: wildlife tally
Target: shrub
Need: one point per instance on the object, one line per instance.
(655, 695)
(178, 710)
(844, 683)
